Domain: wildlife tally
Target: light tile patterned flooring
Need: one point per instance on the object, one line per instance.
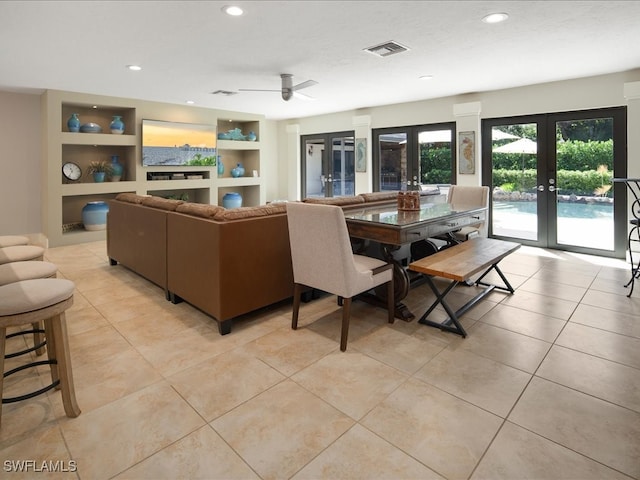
(545, 386)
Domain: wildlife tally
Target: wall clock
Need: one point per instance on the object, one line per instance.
(71, 171)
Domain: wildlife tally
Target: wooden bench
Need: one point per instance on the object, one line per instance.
(458, 264)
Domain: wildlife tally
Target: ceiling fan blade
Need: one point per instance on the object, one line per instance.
(308, 83)
(302, 96)
(256, 90)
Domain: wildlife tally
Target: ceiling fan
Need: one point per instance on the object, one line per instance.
(288, 89)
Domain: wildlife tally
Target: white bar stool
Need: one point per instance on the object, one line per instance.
(31, 301)
(20, 253)
(29, 270)
(13, 240)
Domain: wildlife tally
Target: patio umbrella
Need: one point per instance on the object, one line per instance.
(524, 145)
(500, 135)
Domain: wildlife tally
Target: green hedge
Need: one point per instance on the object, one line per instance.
(577, 161)
(569, 181)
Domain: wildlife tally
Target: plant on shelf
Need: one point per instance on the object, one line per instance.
(199, 160)
(99, 169)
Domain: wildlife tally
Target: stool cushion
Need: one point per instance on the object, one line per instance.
(12, 240)
(20, 253)
(18, 271)
(29, 295)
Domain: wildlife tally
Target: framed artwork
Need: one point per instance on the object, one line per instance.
(361, 154)
(467, 152)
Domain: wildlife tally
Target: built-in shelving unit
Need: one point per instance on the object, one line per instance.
(63, 200)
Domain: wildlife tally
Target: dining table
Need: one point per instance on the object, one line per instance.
(390, 228)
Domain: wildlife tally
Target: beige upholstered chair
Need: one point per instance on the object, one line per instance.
(322, 258)
(463, 196)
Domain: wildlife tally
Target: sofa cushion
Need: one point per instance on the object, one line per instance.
(161, 203)
(199, 209)
(249, 212)
(335, 200)
(130, 197)
(379, 196)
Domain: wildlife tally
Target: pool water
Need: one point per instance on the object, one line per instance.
(579, 224)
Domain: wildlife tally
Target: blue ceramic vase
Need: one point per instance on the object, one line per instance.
(116, 168)
(251, 137)
(117, 125)
(73, 124)
(232, 200)
(220, 166)
(94, 215)
(238, 171)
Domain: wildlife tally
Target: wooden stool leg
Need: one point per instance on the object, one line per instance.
(58, 328)
(51, 351)
(38, 338)
(3, 335)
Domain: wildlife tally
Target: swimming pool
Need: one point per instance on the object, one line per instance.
(580, 224)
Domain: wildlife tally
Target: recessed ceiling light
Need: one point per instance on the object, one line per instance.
(190, 102)
(495, 18)
(135, 68)
(232, 10)
(425, 77)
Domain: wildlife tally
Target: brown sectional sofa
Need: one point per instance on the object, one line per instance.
(223, 262)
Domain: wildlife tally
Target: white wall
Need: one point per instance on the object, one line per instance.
(580, 94)
(20, 153)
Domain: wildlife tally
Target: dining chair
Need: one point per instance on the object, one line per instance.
(469, 196)
(322, 258)
(459, 197)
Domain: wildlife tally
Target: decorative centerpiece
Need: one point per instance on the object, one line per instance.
(408, 201)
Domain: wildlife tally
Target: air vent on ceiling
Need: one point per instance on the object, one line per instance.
(386, 49)
(224, 92)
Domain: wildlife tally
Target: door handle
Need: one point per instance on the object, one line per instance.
(552, 188)
(541, 188)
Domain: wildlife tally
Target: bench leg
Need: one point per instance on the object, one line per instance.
(507, 286)
(453, 316)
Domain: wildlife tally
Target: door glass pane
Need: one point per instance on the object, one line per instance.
(393, 161)
(584, 195)
(343, 166)
(514, 179)
(435, 157)
(314, 178)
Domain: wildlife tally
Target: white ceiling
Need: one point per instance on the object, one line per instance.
(189, 49)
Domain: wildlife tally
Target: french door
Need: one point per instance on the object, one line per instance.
(405, 158)
(328, 166)
(551, 180)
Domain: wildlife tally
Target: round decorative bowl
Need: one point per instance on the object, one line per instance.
(224, 136)
(90, 128)
(232, 200)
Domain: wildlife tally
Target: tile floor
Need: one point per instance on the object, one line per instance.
(545, 386)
